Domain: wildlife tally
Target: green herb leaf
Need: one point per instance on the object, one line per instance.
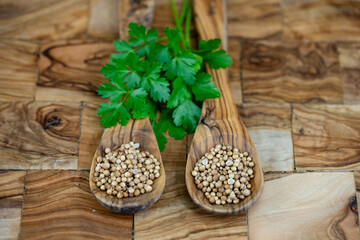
(160, 91)
(212, 44)
(218, 59)
(174, 39)
(123, 48)
(166, 123)
(136, 99)
(147, 108)
(179, 94)
(184, 65)
(129, 70)
(160, 138)
(187, 115)
(162, 53)
(112, 92)
(142, 38)
(113, 113)
(203, 88)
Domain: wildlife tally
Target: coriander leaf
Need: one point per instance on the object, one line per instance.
(160, 90)
(152, 72)
(136, 99)
(128, 69)
(184, 65)
(203, 88)
(174, 38)
(160, 138)
(179, 94)
(123, 48)
(166, 123)
(142, 38)
(218, 59)
(147, 108)
(161, 53)
(113, 113)
(112, 92)
(210, 45)
(199, 63)
(187, 115)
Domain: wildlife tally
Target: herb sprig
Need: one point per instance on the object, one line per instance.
(146, 76)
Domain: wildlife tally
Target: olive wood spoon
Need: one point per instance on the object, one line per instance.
(140, 131)
(219, 122)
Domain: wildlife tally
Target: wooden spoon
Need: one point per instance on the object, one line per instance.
(219, 122)
(139, 130)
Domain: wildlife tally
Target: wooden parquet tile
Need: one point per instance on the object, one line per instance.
(38, 19)
(322, 20)
(18, 69)
(306, 206)
(11, 199)
(291, 72)
(268, 124)
(59, 205)
(327, 137)
(70, 70)
(39, 135)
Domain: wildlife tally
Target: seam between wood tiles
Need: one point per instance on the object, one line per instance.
(292, 134)
(22, 205)
(241, 70)
(247, 225)
(80, 126)
(133, 227)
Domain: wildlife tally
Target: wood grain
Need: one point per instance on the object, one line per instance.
(11, 198)
(59, 205)
(322, 20)
(91, 132)
(175, 216)
(219, 121)
(357, 185)
(269, 126)
(103, 19)
(349, 54)
(306, 206)
(18, 69)
(40, 19)
(291, 72)
(139, 131)
(327, 136)
(39, 135)
(259, 19)
(141, 12)
(234, 70)
(70, 70)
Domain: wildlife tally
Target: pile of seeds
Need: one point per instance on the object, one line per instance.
(224, 174)
(126, 171)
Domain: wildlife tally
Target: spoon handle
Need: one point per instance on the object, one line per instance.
(210, 22)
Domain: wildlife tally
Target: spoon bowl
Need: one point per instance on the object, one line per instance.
(199, 147)
(140, 131)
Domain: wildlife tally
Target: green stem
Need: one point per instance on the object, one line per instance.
(161, 39)
(177, 22)
(184, 11)
(187, 27)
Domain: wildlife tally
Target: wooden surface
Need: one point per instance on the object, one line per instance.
(138, 131)
(296, 66)
(219, 122)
